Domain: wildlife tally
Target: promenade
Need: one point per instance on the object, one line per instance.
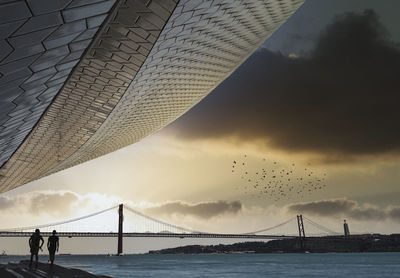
(22, 270)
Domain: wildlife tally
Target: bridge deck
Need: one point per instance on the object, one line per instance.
(163, 235)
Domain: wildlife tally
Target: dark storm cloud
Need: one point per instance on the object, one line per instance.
(345, 208)
(342, 98)
(201, 210)
(36, 203)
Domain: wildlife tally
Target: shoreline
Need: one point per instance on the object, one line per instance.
(331, 244)
(22, 269)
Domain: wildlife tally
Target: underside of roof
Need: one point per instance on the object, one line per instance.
(83, 78)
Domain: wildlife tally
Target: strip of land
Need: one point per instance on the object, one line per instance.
(356, 243)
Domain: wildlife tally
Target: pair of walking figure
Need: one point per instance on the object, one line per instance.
(36, 242)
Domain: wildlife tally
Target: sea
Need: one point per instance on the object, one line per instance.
(233, 265)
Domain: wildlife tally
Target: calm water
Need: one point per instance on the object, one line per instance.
(235, 265)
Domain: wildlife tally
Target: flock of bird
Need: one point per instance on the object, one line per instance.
(277, 181)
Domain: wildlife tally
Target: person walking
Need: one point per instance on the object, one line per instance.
(52, 246)
(35, 243)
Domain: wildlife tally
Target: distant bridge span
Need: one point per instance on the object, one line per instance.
(160, 229)
(158, 235)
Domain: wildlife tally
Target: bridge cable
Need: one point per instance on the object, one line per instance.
(57, 223)
(162, 222)
(319, 226)
(270, 228)
(194, 231)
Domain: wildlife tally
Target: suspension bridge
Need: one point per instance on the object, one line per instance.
(149, 227)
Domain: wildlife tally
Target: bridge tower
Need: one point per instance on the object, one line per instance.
(120, 228)
(302, 234)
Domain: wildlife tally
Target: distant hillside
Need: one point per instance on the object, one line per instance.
(359, 243)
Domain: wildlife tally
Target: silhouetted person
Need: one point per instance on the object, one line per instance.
(35, 245)
(52, 246)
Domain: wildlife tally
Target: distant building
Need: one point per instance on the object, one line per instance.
(346, 228)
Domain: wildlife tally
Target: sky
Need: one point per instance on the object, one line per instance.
(316, 104)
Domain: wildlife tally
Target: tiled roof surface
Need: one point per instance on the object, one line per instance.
(40, 43)
(152, 61)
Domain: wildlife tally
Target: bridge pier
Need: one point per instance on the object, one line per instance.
(120, 229)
